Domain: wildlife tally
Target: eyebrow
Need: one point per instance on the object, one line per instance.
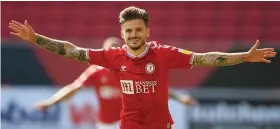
(138, 28)
(128, 29)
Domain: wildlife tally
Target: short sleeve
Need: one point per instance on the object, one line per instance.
(101, 57)
(89, 81)
(87, 77)
(177, 58)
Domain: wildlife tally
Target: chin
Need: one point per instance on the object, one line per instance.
(135, 48)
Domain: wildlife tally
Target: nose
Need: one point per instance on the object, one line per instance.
(134, 34)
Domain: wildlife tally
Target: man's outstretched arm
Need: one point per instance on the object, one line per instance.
(218, 59)
(184, 100)
(65, 93)
(63, 48)
(68, 91)
(227, 59)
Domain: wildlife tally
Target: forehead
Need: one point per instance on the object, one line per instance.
(131, 24)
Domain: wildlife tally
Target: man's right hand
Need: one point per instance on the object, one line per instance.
(44, 105)
(24, 32)
(188, 101)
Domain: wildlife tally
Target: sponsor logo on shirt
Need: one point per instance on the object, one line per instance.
(104, 79)
(140, 86)
(185, 51)
(109, 92)
(127, 86)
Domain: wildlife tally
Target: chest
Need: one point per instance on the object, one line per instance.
(140, 76)
(107, 87)
(148, 68)
(105, 78)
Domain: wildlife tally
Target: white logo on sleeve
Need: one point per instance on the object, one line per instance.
(123, 68)
(127, 86)
(150, 68)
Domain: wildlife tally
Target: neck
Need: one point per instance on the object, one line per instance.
(137, 52)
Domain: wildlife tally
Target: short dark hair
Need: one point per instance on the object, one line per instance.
(132, 13)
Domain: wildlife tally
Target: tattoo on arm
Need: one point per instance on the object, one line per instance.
(218, 59)
(62, 48)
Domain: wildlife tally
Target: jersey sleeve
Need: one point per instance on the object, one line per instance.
(177, 58)
(87, 77)
(101, 57)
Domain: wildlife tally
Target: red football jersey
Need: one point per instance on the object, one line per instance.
(107, 90)
(144, 81)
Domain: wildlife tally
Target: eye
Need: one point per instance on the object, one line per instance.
(128, 30)
(139, 29)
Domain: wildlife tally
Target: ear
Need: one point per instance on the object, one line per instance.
(148, 33)
(122, 34)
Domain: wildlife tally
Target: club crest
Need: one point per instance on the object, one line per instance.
(150, 68)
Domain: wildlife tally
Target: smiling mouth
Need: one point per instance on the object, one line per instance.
(134, 41)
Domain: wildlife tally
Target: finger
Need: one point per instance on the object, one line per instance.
(15, 34)
(266, 61)
(267, 49)
(18, 24)
(14, 29)
(256, 45)
(270, 55)
(28, 26)
(269, 52)
(14, 25)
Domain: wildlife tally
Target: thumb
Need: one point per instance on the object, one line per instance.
(255, 46)
(28, 26)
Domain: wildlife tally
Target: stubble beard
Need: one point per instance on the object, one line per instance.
(137, 47)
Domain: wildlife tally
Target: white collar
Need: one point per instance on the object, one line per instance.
(141, 55)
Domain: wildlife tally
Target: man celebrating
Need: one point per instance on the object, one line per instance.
(107, 90)
(142, 67)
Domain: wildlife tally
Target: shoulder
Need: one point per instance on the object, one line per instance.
(99, 68)
(102, 69)
(155, 44)
(93, 69)
(159, 46)
(114, 51)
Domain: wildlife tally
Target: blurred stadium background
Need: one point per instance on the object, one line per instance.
(245, 96)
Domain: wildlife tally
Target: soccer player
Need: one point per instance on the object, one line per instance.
(142, 67)
(107, 90)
